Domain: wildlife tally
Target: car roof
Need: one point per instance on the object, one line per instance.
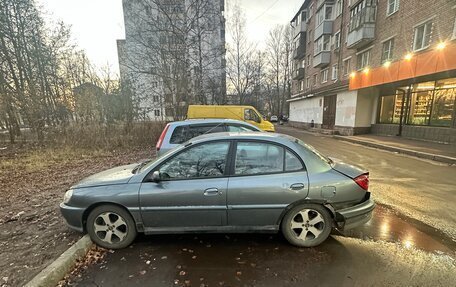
(243, 135)
(210, 121)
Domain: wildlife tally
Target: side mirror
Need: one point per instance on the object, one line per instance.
(156, 176)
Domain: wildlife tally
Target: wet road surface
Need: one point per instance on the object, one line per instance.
(268, 260)
(390, 250)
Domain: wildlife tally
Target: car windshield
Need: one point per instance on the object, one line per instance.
(145, 164)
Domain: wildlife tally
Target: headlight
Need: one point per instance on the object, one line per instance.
(67, 196)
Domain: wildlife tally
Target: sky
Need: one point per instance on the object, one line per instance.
(97, 24)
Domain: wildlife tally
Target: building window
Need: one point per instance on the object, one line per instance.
(336, 40)
(157, 113)
(363, 13)
(362, 60)
(315, 79)
(324, 13)
(324, 75)
(309, 36)
(387, 50)
(430, 104)
(422, 37)
(308, 60)
(308, 83)
(301, 85)
(311, 10)
(339, 7)
(322, 44)
(335, 72)
(346, 67)
(393, 6)
(155, 99)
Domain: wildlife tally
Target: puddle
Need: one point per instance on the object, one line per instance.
(387, 225)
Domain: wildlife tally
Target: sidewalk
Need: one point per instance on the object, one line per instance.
(423, 149)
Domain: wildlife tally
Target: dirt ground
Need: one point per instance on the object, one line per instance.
(32, 184)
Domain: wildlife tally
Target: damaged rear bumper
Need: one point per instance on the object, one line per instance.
(354, 216)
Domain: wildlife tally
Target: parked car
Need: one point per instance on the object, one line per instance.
(176, 133)
(223, 182)
(243, 113)
(274, 119)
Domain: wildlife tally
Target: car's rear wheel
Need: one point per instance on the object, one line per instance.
(111, 227)
(307, 225)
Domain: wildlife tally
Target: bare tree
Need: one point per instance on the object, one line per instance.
(278, 52)
(172, 48)
(240, 54)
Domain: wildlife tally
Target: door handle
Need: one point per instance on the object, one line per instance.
(212, 192)
(297, 186)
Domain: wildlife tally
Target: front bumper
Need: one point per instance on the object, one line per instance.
(354, 216)
(73, 216)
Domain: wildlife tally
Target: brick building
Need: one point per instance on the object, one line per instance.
(385, 67)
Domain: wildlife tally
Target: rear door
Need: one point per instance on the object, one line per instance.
(266, 177)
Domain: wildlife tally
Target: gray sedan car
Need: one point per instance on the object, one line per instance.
(223, 182)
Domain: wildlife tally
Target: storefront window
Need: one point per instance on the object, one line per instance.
(429, 103)
(390, 110)
(420, 108)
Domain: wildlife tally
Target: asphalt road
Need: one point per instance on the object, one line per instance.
(403, 245)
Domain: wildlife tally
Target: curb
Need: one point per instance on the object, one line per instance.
(56, 271)
(419, 154)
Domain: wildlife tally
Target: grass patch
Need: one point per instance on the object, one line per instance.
(41, 159)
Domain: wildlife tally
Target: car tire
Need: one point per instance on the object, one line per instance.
(111, 227)
(307, 225)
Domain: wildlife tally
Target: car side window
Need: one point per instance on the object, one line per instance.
(178, 135)
(235, 128)
(258, 158)
(205, 160)
(194, 131)
(251, 115)
(292, 162)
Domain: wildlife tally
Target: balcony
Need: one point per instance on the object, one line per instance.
(299, 52)
(300, 28)
(322, 59)
(298, 74)
(324, 28)
(361, 29)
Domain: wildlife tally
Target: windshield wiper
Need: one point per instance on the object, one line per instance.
(141, 165)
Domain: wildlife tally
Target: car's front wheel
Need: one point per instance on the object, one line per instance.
(111, 227)
(307, 225)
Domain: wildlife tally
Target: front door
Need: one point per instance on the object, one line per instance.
(191, 192)
(266, 179)
(329, 112)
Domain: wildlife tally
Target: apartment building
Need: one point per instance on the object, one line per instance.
(173, 55)
(386, 67)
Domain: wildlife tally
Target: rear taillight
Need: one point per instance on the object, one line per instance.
(162, 136)
(363, 181)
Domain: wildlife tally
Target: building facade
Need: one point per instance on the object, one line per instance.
(173, 55)
(385, 67)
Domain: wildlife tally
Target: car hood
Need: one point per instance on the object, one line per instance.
(268, 126)
(347, 169)
(117, 175)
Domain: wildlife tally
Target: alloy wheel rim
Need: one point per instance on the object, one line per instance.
(110, 227)
(307, 224)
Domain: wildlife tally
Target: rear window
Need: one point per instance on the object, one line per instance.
(194, 131)
(182, 134)
(179, 135)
